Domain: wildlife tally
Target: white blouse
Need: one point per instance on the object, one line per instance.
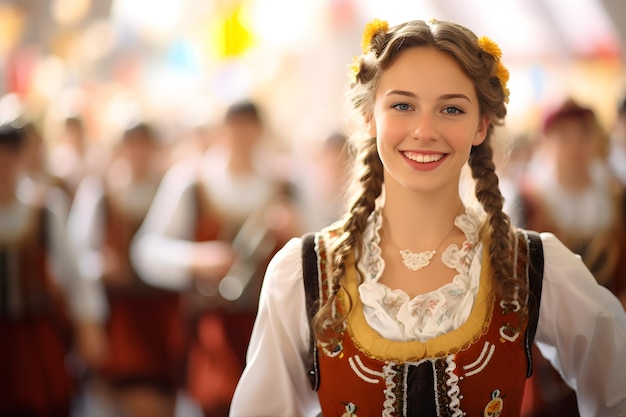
(163, 248)
(581, 329)
(397, 317)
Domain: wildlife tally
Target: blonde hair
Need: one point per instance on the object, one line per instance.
(367, 180)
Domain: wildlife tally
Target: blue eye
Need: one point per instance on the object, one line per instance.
(452, 110)
(401, 106)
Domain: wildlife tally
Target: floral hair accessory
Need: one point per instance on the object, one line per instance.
(373, 28)
(489, 46)
(354, 69)
(492, 48)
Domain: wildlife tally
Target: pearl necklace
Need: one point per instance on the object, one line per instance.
(418, 260)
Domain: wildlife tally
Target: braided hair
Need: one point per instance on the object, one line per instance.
(482, 67)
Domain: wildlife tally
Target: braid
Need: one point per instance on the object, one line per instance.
(479, 58)
(508, 285)
(367, 187)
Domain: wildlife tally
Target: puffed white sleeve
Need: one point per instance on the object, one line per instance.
(275, 381)
(86, 297)
(582, 332)
(85, 226)
(161, 250)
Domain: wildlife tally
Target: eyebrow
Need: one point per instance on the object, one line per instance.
(401, 93)
(412, 95)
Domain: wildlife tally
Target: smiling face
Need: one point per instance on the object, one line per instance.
(425, 119)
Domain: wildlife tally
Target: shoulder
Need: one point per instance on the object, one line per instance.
(564, 271)
(179, 179)
(289, 257)
(283, 277)
(183, 172)
(286, 265)
(572, 302)
(43, 197)
(558, 259)
(90, 188)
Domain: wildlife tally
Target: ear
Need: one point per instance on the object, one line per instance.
(481, 131)
(371, 126)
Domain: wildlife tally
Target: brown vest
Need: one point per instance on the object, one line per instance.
(479, 369)
(26, 286)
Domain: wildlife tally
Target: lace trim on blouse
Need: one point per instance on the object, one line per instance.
(397, 317)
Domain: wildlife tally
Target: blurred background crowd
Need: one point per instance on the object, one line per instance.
(154, 155)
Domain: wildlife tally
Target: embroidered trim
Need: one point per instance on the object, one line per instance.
(480, 357)
(488, 349)
(484, 329)
(489, 300)
(508, 332)
(350, 410)
(325, 287)
(405, 388)
(495, 406)
(507, 306)
(320, 250)
(390, 396)
(439, 385)
(358, 367)
(453, 383)
(515, 255)
(528, 262)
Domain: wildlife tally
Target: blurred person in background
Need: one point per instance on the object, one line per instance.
(323, 185)
(210, 232)
(511, 164)
(49, 313)
(34, 159)
(193, 142)
(142, 371)
(68, 156)
(617, 149)
(568, 190)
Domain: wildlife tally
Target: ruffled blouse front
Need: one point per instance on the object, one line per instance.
(396, 316)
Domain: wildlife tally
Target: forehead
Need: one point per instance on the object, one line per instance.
(424, 70)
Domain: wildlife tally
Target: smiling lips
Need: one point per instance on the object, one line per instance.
(424, 158)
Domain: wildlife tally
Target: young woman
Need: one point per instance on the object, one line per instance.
(424, 303)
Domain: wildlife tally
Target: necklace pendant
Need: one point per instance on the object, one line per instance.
(415, 261)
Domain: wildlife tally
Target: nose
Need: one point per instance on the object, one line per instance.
(425, 127)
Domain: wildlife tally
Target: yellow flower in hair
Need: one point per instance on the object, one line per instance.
(490, 47)
(354, 68)
(502, 73)
(372, 29)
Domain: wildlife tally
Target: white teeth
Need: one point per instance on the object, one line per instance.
(423, 158)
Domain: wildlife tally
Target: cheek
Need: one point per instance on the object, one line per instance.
(392, 131)
(459, 138)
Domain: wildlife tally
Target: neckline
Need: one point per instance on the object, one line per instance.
(372, 262)
(376, 346)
